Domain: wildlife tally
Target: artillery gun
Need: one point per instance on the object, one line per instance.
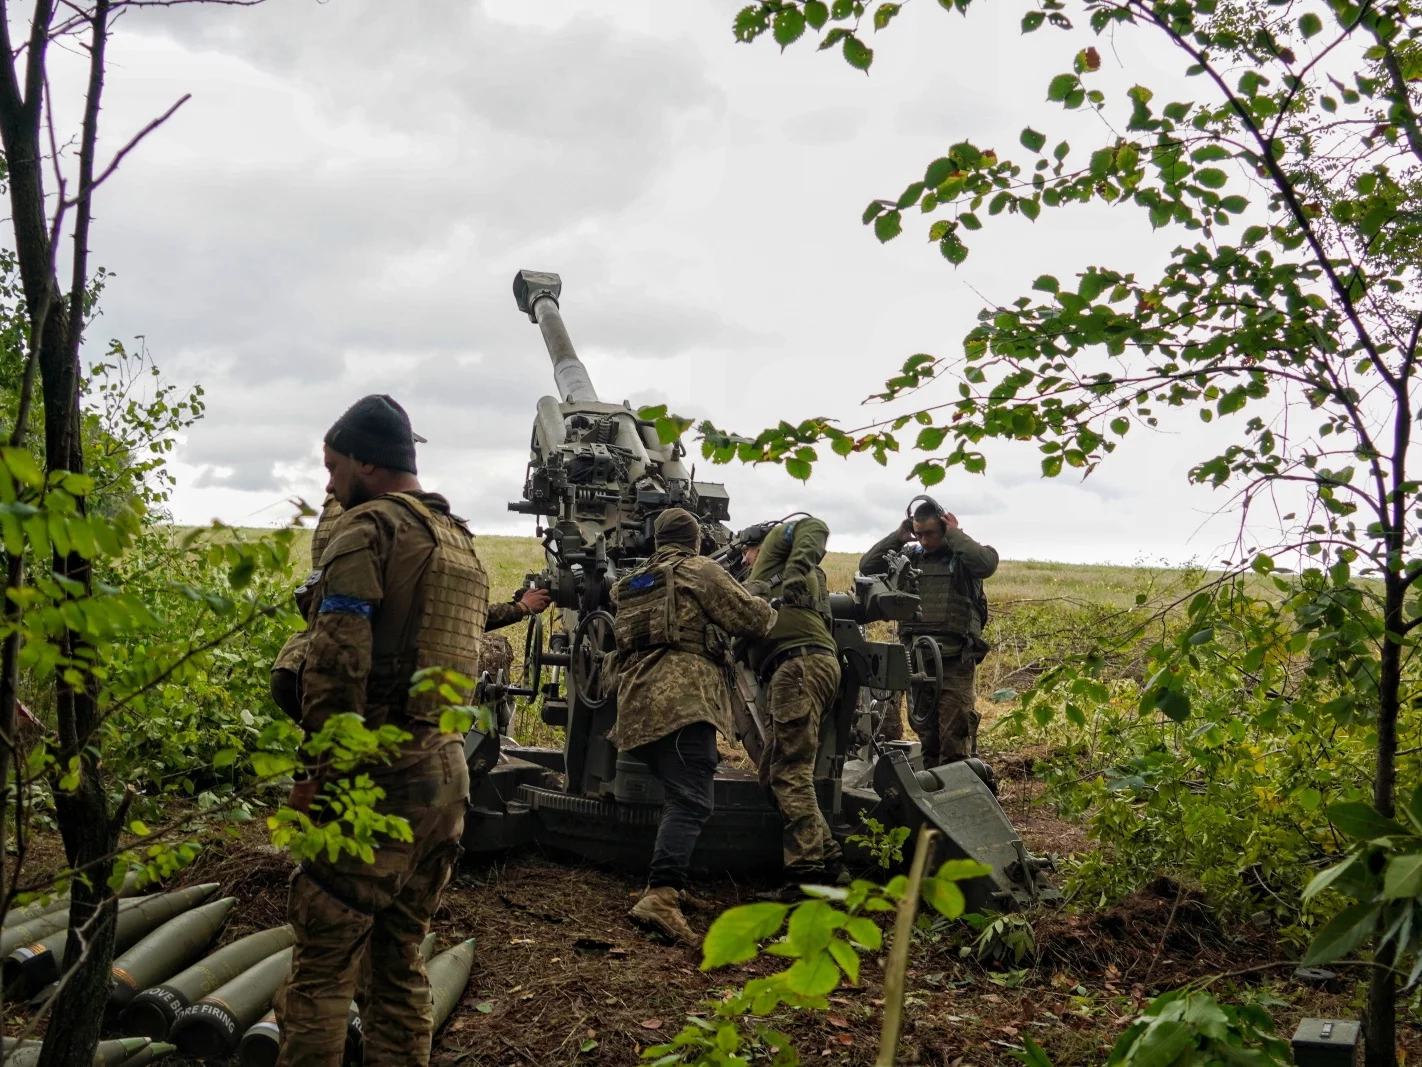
(597, 477)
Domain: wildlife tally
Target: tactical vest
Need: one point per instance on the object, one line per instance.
(445, 621)
(648, 616)
(948, 599)
(819, 603)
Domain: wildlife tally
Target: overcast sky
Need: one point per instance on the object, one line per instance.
(342, 205)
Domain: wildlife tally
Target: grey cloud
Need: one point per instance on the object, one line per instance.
(826, 126)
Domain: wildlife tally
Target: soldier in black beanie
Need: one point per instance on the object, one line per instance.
(370, 450)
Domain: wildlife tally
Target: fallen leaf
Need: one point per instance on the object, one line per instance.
(837, 1020)
(877, 1003)
(484, 1006)
(651, 1024)
(844, 1039)
(957, 1062)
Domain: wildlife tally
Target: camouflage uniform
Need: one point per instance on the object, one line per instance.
(676, 616)
(950, 581)
(400, 589)
(800, 667)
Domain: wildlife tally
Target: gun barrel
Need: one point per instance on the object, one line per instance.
(536, 293)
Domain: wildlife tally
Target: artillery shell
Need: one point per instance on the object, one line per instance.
(167, 950)
(212, 1028)
(34, 966)
(262, 1040)
(109, 1053)
(449, 974)
(60, 902)
(153, 1012)
(154, 1050)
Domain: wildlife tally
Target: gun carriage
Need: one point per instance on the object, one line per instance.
(597, 477)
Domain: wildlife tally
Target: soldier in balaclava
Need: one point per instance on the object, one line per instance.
(953, 610)
(676, 618)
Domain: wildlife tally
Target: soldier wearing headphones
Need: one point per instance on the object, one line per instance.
(953, 610)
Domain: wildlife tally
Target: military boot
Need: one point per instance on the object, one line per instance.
(659, 910)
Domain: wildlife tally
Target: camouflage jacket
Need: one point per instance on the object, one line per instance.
(791, 555)
(662, 689)
(366, 610)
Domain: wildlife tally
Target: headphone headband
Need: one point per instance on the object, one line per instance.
(938, 508)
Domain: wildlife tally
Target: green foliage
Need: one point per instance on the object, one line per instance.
(824, 935)
(1382, 873)
(885, 846)
(1006, 939)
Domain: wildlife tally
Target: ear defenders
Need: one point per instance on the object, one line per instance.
(938, 508)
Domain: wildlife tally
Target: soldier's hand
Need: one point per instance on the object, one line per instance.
(302, 794)
(758, 588)
(950, 521)
(906, 533)
(534, 601)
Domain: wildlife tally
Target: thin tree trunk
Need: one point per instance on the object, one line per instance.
(1381, 1022)
(89, 831)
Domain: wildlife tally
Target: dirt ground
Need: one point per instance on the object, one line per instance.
(562, 978)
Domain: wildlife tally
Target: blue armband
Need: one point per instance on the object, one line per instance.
(346, 605)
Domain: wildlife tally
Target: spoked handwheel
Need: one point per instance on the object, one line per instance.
(926, 660)
(593, 641)
(531, 673)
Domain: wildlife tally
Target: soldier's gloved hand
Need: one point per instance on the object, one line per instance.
(758, 588)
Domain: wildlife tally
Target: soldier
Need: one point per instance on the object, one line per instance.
(286, 670)
(953, 611)
(676, 617)
(798, 666)
(399, 588)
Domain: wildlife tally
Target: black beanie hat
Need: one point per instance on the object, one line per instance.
(375, 430)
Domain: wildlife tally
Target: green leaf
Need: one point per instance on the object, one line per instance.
(1347, 930)
(1233, 204)
(1061, 86)
(945, 897)
(735, 936)
(1047, 284)
(1032, 140)
(1403, 880)
(813, 976)
(938, 171)
(788, 26)
(888, 226)
(816, 13)
(847, 959)
(970, 221)
(1032, 20)
(1032, 1054)
(1310, 25)
(1162, 1043)
(865, 931)
(962, 870)
(857, 54)
(812, 925)
(1211, 177)
(1051, 466)
(1362, 823)
(883, 13)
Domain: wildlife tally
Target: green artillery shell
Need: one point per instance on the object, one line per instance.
(108, 1054)
(449, 974)
(35, 966)
(262, 1041)
(154, 1010)
(36, 930)
(155, 1050)
(212, 1028)
(34, 910)
(167, 950)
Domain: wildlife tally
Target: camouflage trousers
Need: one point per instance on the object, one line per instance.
(956, 733)
(800, 691)
(350, 916)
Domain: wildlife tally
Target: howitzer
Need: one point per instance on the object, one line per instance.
(598, 476)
